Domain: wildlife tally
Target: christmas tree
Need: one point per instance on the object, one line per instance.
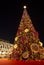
(27, 45)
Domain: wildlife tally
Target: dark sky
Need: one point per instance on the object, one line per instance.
(10, 16)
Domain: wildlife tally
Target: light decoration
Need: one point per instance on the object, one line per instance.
(25, 55)
(0, 52)
(41, 44)
(24, 7)
(26, 30)
(5, 48)
(15, 46)
(3, 53)
(16, 38)
(34, 48)
(42, 53)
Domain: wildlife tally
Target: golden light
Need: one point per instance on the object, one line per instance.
(15, 46)
(16, 38)
(41, 44)
(25, 7)
(26, 30)
(34, 47)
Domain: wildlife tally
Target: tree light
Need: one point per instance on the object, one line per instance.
(24, 6)
(15, 46)
(41, 44)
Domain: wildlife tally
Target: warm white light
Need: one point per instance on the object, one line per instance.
(24, 6)
(3, 53)
(5, 48)
(0, 52)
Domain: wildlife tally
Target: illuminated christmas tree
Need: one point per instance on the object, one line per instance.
(26, 43)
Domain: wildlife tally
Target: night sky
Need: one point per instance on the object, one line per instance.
(10, 16)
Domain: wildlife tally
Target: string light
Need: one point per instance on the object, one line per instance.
(5, 48)
(0, 52)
